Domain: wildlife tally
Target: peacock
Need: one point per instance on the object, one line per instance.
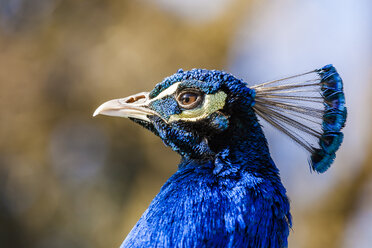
(227, 191)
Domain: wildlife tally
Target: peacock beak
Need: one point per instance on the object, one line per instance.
(135, 106)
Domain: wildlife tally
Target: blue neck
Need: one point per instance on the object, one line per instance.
(244, 145)
(234, 199)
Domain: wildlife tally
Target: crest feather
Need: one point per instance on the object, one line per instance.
(309, 108)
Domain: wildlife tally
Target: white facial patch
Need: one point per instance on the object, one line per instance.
(212, 103)
(167, 92)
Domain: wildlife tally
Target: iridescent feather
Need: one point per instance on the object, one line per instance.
(309, 108)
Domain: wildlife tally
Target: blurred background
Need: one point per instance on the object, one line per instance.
(68, 180)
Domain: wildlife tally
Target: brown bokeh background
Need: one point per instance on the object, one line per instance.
(68, 180)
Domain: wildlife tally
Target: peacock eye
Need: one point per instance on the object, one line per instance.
(189, 99)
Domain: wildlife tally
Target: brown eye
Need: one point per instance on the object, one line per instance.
(189, 99)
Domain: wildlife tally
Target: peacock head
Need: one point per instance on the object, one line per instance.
(200, 112)
(188, 110)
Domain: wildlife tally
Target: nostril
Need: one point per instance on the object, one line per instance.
(133, 99)
(130, 100)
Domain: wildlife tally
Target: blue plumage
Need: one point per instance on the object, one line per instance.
(227, 191)
(202, 207)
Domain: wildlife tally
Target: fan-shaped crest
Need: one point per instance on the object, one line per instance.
(309, 108)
